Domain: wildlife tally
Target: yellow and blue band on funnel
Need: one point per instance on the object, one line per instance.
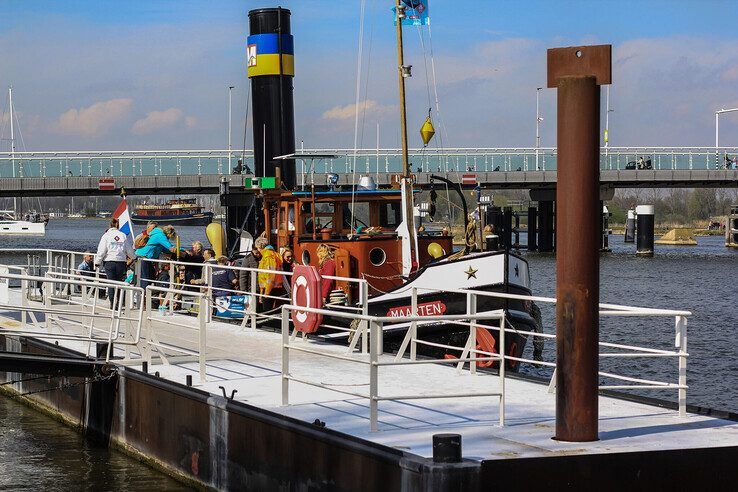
(262, 55)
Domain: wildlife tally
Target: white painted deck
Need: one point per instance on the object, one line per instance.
(250, 362)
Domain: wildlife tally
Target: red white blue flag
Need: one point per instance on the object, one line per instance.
(124, 220)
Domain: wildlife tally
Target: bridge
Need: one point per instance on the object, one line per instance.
(201, 171)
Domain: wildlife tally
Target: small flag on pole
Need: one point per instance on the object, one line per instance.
(124, 219)
(416, 13)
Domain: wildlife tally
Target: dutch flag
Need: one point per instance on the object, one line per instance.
(124, 220)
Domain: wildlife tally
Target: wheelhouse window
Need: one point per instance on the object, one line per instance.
(359, 218)
(323, 216)
(390, 214)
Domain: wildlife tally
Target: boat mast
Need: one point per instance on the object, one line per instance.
(12, 147)
(406, 231)
(401, 70)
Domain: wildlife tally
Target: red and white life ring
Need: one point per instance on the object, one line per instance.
(306, 292)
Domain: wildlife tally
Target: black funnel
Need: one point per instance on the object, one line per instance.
(270, 61)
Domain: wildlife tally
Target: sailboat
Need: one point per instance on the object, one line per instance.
(373, 236)
(10, 220)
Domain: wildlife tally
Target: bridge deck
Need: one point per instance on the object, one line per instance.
(209, 183)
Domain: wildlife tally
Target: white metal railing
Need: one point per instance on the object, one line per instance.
(615, 350)
(254, 296)
(374, 363)
(477, 159)
(66, 276)
(154, 342)
(120, 325)
(471, 355)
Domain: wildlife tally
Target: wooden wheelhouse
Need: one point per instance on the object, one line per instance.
(360, 226)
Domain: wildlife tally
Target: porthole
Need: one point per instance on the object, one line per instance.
(306, 257)
(377, 256)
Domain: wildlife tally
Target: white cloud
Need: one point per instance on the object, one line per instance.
(190, 121)
(369, 106)
(158, 120)
(93, 121)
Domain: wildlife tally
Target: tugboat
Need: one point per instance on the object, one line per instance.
(371, 232)
(180, 211)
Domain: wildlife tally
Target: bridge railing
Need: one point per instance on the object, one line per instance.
(364, 161)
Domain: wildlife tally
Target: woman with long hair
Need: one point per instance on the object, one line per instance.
(326, 266)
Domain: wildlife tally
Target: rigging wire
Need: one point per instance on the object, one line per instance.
(356, 107)
(2, 116)
(366, 87)
(245, 129)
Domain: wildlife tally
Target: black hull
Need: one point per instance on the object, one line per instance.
(519, 315)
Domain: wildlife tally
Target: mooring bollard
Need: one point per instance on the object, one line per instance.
(630, 227)
(188, 380)
(145, 367)
(644, 231)
(447, 448)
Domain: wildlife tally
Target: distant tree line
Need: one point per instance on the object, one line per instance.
(678, 206)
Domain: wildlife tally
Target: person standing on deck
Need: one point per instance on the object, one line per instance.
(157, 243)
(194, 255)
(326, 267)
(224, 279)
(270, 260)
(112, 252)
(86, 268)
(288, 265)
(251, 260)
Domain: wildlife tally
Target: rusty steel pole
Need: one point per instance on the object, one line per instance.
(577, 73)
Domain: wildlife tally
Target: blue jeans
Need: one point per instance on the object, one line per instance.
(147, 274)
(115, 270)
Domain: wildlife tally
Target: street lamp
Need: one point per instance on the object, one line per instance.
(538, 124)
(230, 90)
(717, 131)
(607, 122)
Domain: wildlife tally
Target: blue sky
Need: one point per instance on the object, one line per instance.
(154, 74)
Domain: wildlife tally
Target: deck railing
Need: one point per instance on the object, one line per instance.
(59, 278)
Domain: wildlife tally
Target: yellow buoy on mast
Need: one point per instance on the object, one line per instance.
(427, 131)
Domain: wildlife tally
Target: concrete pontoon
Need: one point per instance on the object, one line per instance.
(232, 428)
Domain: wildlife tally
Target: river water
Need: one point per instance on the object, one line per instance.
(39, 453)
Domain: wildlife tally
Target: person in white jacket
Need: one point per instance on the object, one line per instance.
(112, 253)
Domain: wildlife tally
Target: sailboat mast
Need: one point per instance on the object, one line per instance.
(12, 144)
(400, 14)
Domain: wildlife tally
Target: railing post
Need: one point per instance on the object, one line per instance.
(147, 304)
(24, 297)
(202, 308)
(502, 369)
(208, 289)
(414, 324)
(376, 333)
(471, 311)
(285, 357)
(681, 343)
(46, 292)
(171, 287)
(255, 299)
(364, 293)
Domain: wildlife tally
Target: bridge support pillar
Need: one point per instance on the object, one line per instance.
(507, 218)
(532, 229)
(546, 242)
